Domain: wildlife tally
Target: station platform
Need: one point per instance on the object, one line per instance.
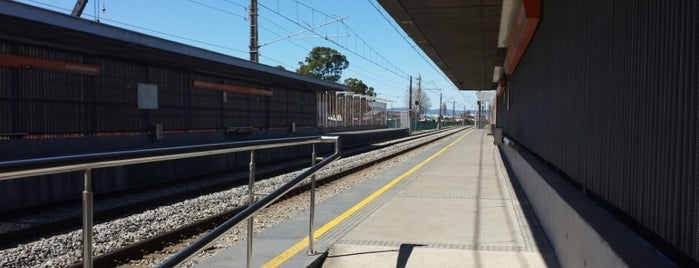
(453, 205)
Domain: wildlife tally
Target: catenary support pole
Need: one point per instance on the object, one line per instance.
(254, 47)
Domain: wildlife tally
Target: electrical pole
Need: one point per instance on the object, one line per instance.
(410, 106)
(418, 99)
(480, 113)
(439, 117)
(453, 111)
(463, 117)
(254, 48)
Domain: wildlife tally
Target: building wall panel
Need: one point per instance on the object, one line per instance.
(6, 119)
(116, 96)
(50, 102)
(279, 108)
(259, 111)
(607, 94)
(308, 109)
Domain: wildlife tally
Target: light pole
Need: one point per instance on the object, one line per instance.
(410, 105)
(453, 112)
(463, 117)
(439, 117)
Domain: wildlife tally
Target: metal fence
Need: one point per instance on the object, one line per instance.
(399, 119)
(344, 109)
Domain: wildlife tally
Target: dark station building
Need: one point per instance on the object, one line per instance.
(64, 76)
(73, 86)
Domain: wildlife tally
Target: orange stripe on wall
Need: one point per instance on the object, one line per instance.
(28, 62)
(522, 32)
(230, 88)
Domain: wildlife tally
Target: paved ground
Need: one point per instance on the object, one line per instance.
(458, 210)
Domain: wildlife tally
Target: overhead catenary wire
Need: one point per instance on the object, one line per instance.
(261, 27)
(237, 4)
(349, 29)
(374, 50)
(314, 11)
(399, 74)
(144, 28)
(286, 66)
(272, 22)
(357, 37)
(217, 9)
(372, 75)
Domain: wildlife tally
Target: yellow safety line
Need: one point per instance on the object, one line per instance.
(281, 258)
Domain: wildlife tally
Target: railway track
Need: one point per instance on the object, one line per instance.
(137, 250)
(138, 201)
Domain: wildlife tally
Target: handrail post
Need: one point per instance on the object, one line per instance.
(311, 250)
(87, 219)
(251, 200)
(255, 207)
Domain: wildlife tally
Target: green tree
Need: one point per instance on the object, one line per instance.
(357, 86)
(323, 63)
(280, 67)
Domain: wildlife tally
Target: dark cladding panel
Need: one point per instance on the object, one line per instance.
(5, 75)
(308, 109)
(236, 110)
(118, 118)
(6, 83)
(39, 116)
(172, 117)
(6, 97)
(49, 100)
(118, 82)
(295, 107)
(205, 98)
(207, 118)
(278, 108)
(117, 96)
(607, 93)
(259, 111)
(5, 117)
(47, 54)
(171, 85)
(205, 108)
(172, 90)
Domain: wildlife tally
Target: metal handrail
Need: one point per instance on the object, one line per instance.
(60, 164)
(87, 162)
(251, 210)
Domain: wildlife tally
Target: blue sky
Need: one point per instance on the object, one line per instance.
(379, 52)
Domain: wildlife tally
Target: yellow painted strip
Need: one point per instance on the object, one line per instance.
(281, 258)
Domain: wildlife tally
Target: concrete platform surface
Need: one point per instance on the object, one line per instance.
(449, 206)
(458, 210)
